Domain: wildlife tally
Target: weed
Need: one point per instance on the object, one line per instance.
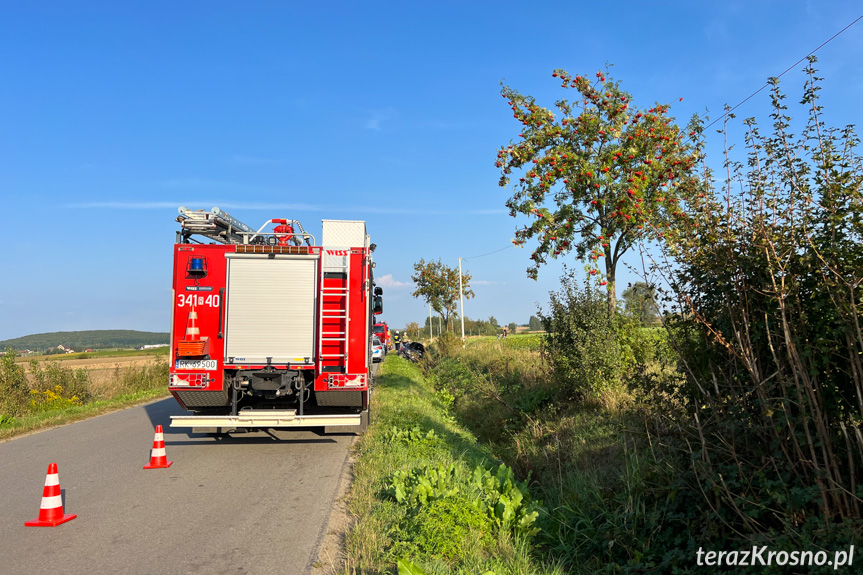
(13, 388)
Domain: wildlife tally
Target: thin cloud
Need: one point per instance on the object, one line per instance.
(378, 118)
(125, 205)
(387, 281)
(276, 207)
(241, 160)
(484, 283)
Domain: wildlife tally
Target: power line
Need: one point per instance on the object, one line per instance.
(786, 71)
(488, 254)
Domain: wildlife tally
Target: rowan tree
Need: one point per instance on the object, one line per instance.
(599, 176)
(438, 285)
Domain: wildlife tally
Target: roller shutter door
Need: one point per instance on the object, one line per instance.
(270, 311)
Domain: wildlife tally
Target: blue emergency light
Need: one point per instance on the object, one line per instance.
(197, 267)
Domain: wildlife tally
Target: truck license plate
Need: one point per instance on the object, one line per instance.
(208, 364)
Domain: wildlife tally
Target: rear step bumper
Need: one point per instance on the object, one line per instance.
(266, 418)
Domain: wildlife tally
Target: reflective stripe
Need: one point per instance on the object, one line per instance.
(52, 502)
(159, 437)
(193, 331)
(52, 479)
(160, 452)
(193, 315)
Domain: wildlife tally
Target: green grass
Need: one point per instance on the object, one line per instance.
(45, 419)
(53, 394)
(583, 460)
(531, 341)
(440, 522)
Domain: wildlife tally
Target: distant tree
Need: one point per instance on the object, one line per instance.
(413, 329)
(640, 302)
(512, 327)
(599, 177)
(438, 285)
(534, 323)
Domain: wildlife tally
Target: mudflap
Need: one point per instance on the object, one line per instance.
(355, 429)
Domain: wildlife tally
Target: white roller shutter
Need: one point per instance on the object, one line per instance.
(270, 308)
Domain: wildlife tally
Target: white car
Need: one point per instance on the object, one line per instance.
(378, 351)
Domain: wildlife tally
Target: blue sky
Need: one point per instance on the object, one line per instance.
(113, 114)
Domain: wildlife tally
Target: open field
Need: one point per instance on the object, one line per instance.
(97, 362)
(95, 355)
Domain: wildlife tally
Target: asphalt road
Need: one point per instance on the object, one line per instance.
(254, 503)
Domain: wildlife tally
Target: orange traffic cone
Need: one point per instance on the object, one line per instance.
(51, 510)
(192, 343)
(158, 459)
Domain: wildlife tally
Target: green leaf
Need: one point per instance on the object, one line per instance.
(408, 568)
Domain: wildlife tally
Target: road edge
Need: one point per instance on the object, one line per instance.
(329, 552)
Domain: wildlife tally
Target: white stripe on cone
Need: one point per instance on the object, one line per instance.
(158, 452)
(52, 502)
(159, 437)
(51, 480)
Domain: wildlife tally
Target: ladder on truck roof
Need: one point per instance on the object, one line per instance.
(214, 224)
(221, 227)
(333, 295)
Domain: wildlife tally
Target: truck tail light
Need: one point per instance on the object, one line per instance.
(346, 381)
(189, 380)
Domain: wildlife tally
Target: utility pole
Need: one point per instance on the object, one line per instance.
(461, 301)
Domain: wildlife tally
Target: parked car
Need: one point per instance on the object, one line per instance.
(379, 352)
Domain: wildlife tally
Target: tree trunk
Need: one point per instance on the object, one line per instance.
(612, 292)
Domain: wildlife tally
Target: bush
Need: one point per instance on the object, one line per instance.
(51, 378)
(446, 344)
(583, 344)
(14, 391)
(147, 377)
(768, 285)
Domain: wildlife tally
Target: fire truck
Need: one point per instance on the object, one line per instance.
(271, 329)
(382, 331)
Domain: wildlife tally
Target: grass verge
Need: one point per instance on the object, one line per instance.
(48, 394)
(425, 492)
(45, 419)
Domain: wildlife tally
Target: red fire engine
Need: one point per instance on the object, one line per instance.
(270, 329)
(382, 331)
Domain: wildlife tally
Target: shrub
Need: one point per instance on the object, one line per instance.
(583, 344)
(153, 375)
(53, 378)
(446, 344)
(14, 391)
(768, 285)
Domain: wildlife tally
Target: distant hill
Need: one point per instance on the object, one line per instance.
(81, 340)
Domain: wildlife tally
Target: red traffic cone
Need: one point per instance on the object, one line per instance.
(158, 459)
(192, 343)
(51, 510)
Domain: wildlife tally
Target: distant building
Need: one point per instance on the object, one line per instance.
(155, 346)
